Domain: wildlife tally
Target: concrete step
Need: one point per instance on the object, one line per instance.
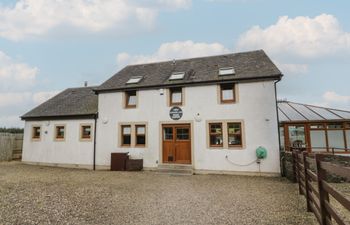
(175, 169)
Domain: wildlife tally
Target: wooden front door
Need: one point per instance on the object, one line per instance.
(177, 143)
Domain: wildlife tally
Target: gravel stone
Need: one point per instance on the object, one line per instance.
(47, 195)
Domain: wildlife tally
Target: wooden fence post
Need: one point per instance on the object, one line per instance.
(298, 172)
(294, 167)
(324, 196)
(307, 188)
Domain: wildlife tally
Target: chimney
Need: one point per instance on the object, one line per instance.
(85, 83)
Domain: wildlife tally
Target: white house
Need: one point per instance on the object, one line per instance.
(208, 113)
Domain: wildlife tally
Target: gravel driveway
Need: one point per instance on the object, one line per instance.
(44, 195)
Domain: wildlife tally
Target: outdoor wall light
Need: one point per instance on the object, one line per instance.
(104, 120)
(161, 91)
(197, 117)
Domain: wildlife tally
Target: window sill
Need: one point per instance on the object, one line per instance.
(130, 107)
(235, 148)
(60, 139)
(85, 139)
(227, 102)
(140, 146)
(175, 104)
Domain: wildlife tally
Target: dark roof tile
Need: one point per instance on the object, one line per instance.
(70, 102)
(254, 64)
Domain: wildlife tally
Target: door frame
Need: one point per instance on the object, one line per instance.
(185, 122)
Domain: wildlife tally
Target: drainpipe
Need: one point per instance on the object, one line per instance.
(278, 128)
(95, 128)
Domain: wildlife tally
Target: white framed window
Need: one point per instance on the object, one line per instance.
(36, 133)
(225, 134)
(176, 96)
(177, 76)
(225, 71)
(133, 135)
(60, 132)
(130, 99)
(85, 132)
(134, 80)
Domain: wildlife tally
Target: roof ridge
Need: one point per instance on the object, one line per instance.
(192, 58)
(309, 105)
(94, 86)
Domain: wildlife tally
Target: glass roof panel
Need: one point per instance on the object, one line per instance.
(306, 112)
(281, 116)
(290, 112)
(344, 114)
(324, 113)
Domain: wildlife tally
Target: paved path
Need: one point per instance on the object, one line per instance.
(43, 195)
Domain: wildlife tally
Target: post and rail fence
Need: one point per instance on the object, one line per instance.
(311, 174)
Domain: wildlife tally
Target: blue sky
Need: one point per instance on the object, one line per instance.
(49, 45)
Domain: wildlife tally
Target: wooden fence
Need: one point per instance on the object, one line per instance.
(10, 146)
(311, 171)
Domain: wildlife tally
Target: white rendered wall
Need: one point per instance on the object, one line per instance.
(256, 107)
(70, 151)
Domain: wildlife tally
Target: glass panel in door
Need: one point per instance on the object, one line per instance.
(297, 136)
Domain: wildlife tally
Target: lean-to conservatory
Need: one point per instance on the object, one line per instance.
(313, 128)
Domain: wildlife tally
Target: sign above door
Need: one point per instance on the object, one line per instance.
(175, 113)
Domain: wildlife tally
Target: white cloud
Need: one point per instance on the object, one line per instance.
(292, 68)
(10, 99)
(14, 99)
(174, 50)
(29, 18)
(17, 81)
(331, 96)
(41, 97)
(14, 104)
(11, 121)
(15, 74)
(335, 100)
(301, 36)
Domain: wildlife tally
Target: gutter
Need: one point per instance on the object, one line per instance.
(95, 129)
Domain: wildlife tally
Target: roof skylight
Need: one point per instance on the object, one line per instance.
(177, 76)
(224, 71)
(134, 80)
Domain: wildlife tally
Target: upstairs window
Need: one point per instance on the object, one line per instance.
(36, 132)
(126, 135)
(59, 132)
(134, 80)
(226, 71)
(175, 96)
(140, 135)
(130, 99)
(234, 132)
(215, 135)
(177, 76)
(227, 93)
(85, 132)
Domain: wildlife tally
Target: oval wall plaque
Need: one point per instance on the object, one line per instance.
(175, 113)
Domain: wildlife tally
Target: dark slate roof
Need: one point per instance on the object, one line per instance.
(247, 65)
(72, 102)
(297, 112)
